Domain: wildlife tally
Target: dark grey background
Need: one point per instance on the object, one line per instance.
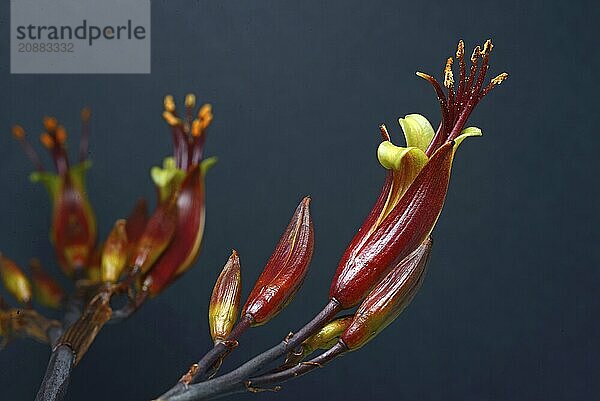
(509, 310)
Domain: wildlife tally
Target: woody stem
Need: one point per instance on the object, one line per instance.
(239, 376)
(213, 389)
(56, 379)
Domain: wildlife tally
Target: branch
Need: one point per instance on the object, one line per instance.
(219, 388)
(240, 375)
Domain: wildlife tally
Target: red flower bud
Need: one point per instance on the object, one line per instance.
(414, 192)
(181, 181)
(407, 226)
(225, 300)
(285, 270)
(46, 290)
(156, 237)
(189, 229)
(73, 230)
(387, 300)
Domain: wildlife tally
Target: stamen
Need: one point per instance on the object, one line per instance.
(50, 123)
(169, 104)
(47, 140)
(171, 119)
(445, 122)
(384, 132)
(438, 91)
(487, 47)
(84, 143)
(475, 96)
(460, 56)
(499, 79)
(459, 105)
(205, 115)
(449, 84)
(474, 64)
(448, 75)
(19, 133)
(493, 83)
(460, 50)
(196, 128)
(190, 101)
(61, 135)
(475, 54)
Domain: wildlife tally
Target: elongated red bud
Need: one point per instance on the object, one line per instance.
(114, 253)
(46, 290)
(156, 237)
(189, 230)
(285, 270)
(15, 281)
(387, 300)
(402, 231)
(225, 300)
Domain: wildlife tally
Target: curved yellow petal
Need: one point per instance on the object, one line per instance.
(467, 132)
(417, 131)
(405, 163)
(396, 158)
(167, 178)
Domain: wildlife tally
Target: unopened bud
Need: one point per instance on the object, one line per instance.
(14, 280)
(114, 254)
(225, 300)
(285, 270)
(388, 299)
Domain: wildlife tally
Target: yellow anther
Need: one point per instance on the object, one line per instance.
(86, 113)
(61, 134)
(499, 79)
(169, 104)
(171, 119)
(190, 100)
(50, 123)
(460, 50)
(487, 47)
(47, 140)
(196, 127)
(205, 115)
(476, 53)
(448, 76)
(205, 111)
(18, 132)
